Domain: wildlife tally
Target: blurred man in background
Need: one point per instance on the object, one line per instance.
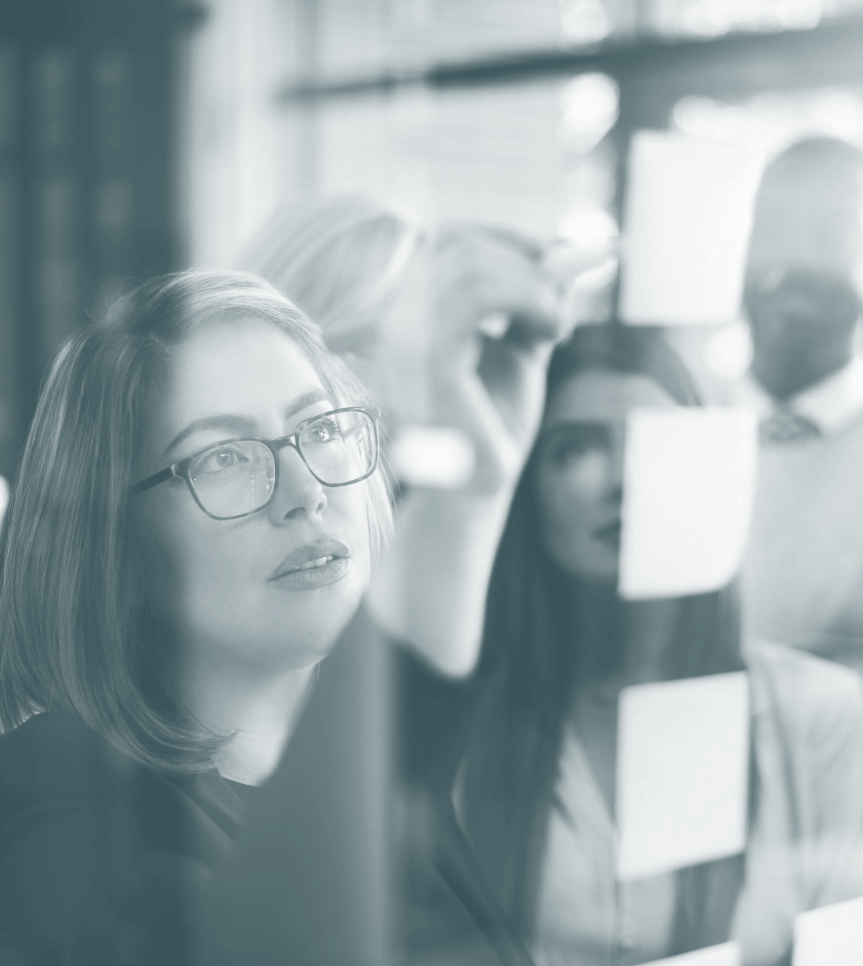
(803, 580)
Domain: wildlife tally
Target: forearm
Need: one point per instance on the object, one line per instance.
(431, 585)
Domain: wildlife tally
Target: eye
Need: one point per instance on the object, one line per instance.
(324, 431)
(567, 450)
(570, 444)
(220, 459)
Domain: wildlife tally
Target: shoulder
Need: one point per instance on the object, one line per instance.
(811, 678)
(51, 774)
(48, 820)
(49, 754)
(73, 850)
(816, 699)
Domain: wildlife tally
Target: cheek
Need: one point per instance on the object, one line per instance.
(188, 564)
(570, 495)
(573, 502)
(347, 510)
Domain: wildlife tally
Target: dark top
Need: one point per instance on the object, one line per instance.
(102, 859)
(246, 793)
(95, 847)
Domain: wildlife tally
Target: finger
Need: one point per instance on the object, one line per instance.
(515, 391)
(564, 261)
(474, 285)
(533, 323)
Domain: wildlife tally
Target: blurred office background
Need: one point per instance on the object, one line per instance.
(141, 136)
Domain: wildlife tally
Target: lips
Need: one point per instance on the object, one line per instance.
(310, 557)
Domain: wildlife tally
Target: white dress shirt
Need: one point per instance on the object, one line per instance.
(830, 404)
(802, 577)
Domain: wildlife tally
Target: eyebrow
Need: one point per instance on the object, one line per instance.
(239, 423)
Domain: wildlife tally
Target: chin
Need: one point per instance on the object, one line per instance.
(320, 618)
(279, 654)
(597, 566)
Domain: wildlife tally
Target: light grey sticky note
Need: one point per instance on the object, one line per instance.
(725, 954)
(682, 771)
(687, 218)
(832, 936)
(689, 483)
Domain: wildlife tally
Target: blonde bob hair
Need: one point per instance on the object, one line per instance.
(77, 634)
(340, 258)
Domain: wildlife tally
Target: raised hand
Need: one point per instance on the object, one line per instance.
(490, 320)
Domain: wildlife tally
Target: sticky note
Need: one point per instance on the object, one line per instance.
(682, 773)
(725, 954)
(687, 218)
(688, 487)
(832, 936)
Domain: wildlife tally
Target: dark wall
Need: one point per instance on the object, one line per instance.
(86, 176)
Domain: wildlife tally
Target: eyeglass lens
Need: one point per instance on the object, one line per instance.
(339, 447)
(232, 479)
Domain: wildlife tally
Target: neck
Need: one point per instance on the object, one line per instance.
(648, 627)
(258, 708)
(623, 642)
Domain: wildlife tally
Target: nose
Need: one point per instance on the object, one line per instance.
(298, 494)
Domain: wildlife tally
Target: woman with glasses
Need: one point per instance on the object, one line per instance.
(537, 787)
(198, 510)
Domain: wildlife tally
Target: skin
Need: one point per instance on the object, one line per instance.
(808, 222)
(580, 469)
(248, 643)
(579, 485)
(431, 584)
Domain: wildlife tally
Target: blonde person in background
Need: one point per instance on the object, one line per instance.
(357, 267)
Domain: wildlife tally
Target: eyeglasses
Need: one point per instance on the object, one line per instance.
(237, 477)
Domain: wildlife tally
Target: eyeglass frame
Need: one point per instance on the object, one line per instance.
(181, 469)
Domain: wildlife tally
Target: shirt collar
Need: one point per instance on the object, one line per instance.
(831, 403)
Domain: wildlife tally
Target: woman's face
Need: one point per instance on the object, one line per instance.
(231, 588)
(579, 471)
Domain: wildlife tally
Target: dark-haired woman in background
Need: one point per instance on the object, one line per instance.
(537, 788)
